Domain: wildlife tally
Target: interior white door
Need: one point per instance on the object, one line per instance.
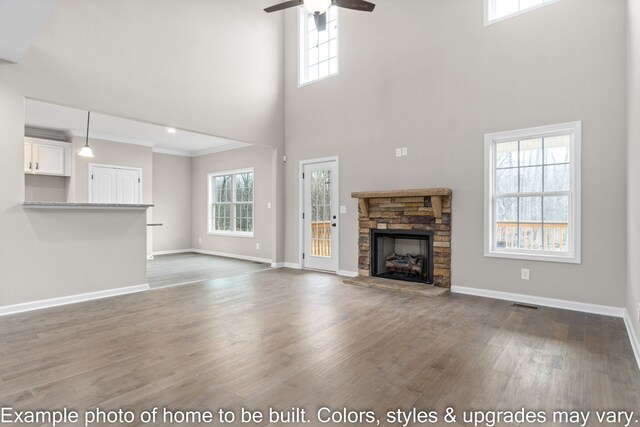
(115, 184)
(104, 184)
(320, 216)
(128, 188)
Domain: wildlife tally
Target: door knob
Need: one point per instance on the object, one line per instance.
(333, 225)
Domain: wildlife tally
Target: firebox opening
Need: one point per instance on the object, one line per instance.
(403, 255)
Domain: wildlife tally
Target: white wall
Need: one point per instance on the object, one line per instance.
(172, 202)
(211, 66)
(259, 158)
(47, 254)
(109, 153)
(427, 75)
(45, 188)
(207, 65)
(633, 171)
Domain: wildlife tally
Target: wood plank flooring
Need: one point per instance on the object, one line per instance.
(285, 338)
(168, 270)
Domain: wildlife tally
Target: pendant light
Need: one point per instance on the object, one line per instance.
(86, 150)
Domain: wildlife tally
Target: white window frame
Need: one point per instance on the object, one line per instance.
(232, 232)
(303, 51)
(574, 129)
(489, 6)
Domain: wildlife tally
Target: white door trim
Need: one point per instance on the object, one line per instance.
(102, 165)
(303, 163)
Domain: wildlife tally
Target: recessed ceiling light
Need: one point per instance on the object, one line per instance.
(171, 130)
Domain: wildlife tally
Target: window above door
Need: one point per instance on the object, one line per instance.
(499, 10)
(318, 49)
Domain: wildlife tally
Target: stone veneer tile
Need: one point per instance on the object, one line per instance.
(409, 213)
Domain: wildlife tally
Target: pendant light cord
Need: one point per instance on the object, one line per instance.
(88, 119)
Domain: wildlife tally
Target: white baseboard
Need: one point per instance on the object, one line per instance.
(277, 265)
(542, 301)
(631, 331)
(293, 265)
(347, 273)
(227, 255)
(71, 299)
(176, 251)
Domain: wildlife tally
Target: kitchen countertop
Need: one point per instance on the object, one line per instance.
(69, 205)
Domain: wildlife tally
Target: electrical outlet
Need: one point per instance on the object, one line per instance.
(199, 239)
(269, 205)
(343, 209)
(524, 275)
(404, 151)
(258, 246)
(398, 152)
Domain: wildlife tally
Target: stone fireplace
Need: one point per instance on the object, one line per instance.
(406, 235)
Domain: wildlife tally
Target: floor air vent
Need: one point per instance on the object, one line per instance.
(532, 307)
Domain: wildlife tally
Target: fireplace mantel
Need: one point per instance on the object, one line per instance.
(435, 194)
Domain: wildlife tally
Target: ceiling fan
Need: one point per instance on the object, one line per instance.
(319, 8)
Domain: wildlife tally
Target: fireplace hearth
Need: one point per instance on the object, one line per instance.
(405, 235)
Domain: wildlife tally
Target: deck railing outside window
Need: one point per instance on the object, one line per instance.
(547, 236)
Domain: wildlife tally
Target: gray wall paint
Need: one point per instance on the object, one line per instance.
(427, 75)
(113, 154)
(278, 205)
(45, 188)
(172, 200)
(261, 159)
(220, 61)
(633, 171)
(81, 59)
(46, 254)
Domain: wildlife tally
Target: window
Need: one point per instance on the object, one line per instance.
(231, 203)
(498, 10)
(532, 200)
(318, 49)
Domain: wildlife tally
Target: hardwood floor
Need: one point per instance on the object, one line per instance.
(285, 338)
(168, 270)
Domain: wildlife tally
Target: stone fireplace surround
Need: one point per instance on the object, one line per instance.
(424, 209)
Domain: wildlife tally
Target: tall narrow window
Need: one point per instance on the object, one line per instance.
(497, 10)
(231, 203)
(533, 193)
(318, 49)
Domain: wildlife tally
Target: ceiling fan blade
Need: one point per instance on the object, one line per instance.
(285, 5)
(321, 21)
(361, 5)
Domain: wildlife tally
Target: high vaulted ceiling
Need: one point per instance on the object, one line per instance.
(211, 66)
(20, 22)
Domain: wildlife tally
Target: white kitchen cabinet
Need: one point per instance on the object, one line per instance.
(44, 157)
(27, 157)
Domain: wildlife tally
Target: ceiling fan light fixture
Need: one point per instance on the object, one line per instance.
(317, 7)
